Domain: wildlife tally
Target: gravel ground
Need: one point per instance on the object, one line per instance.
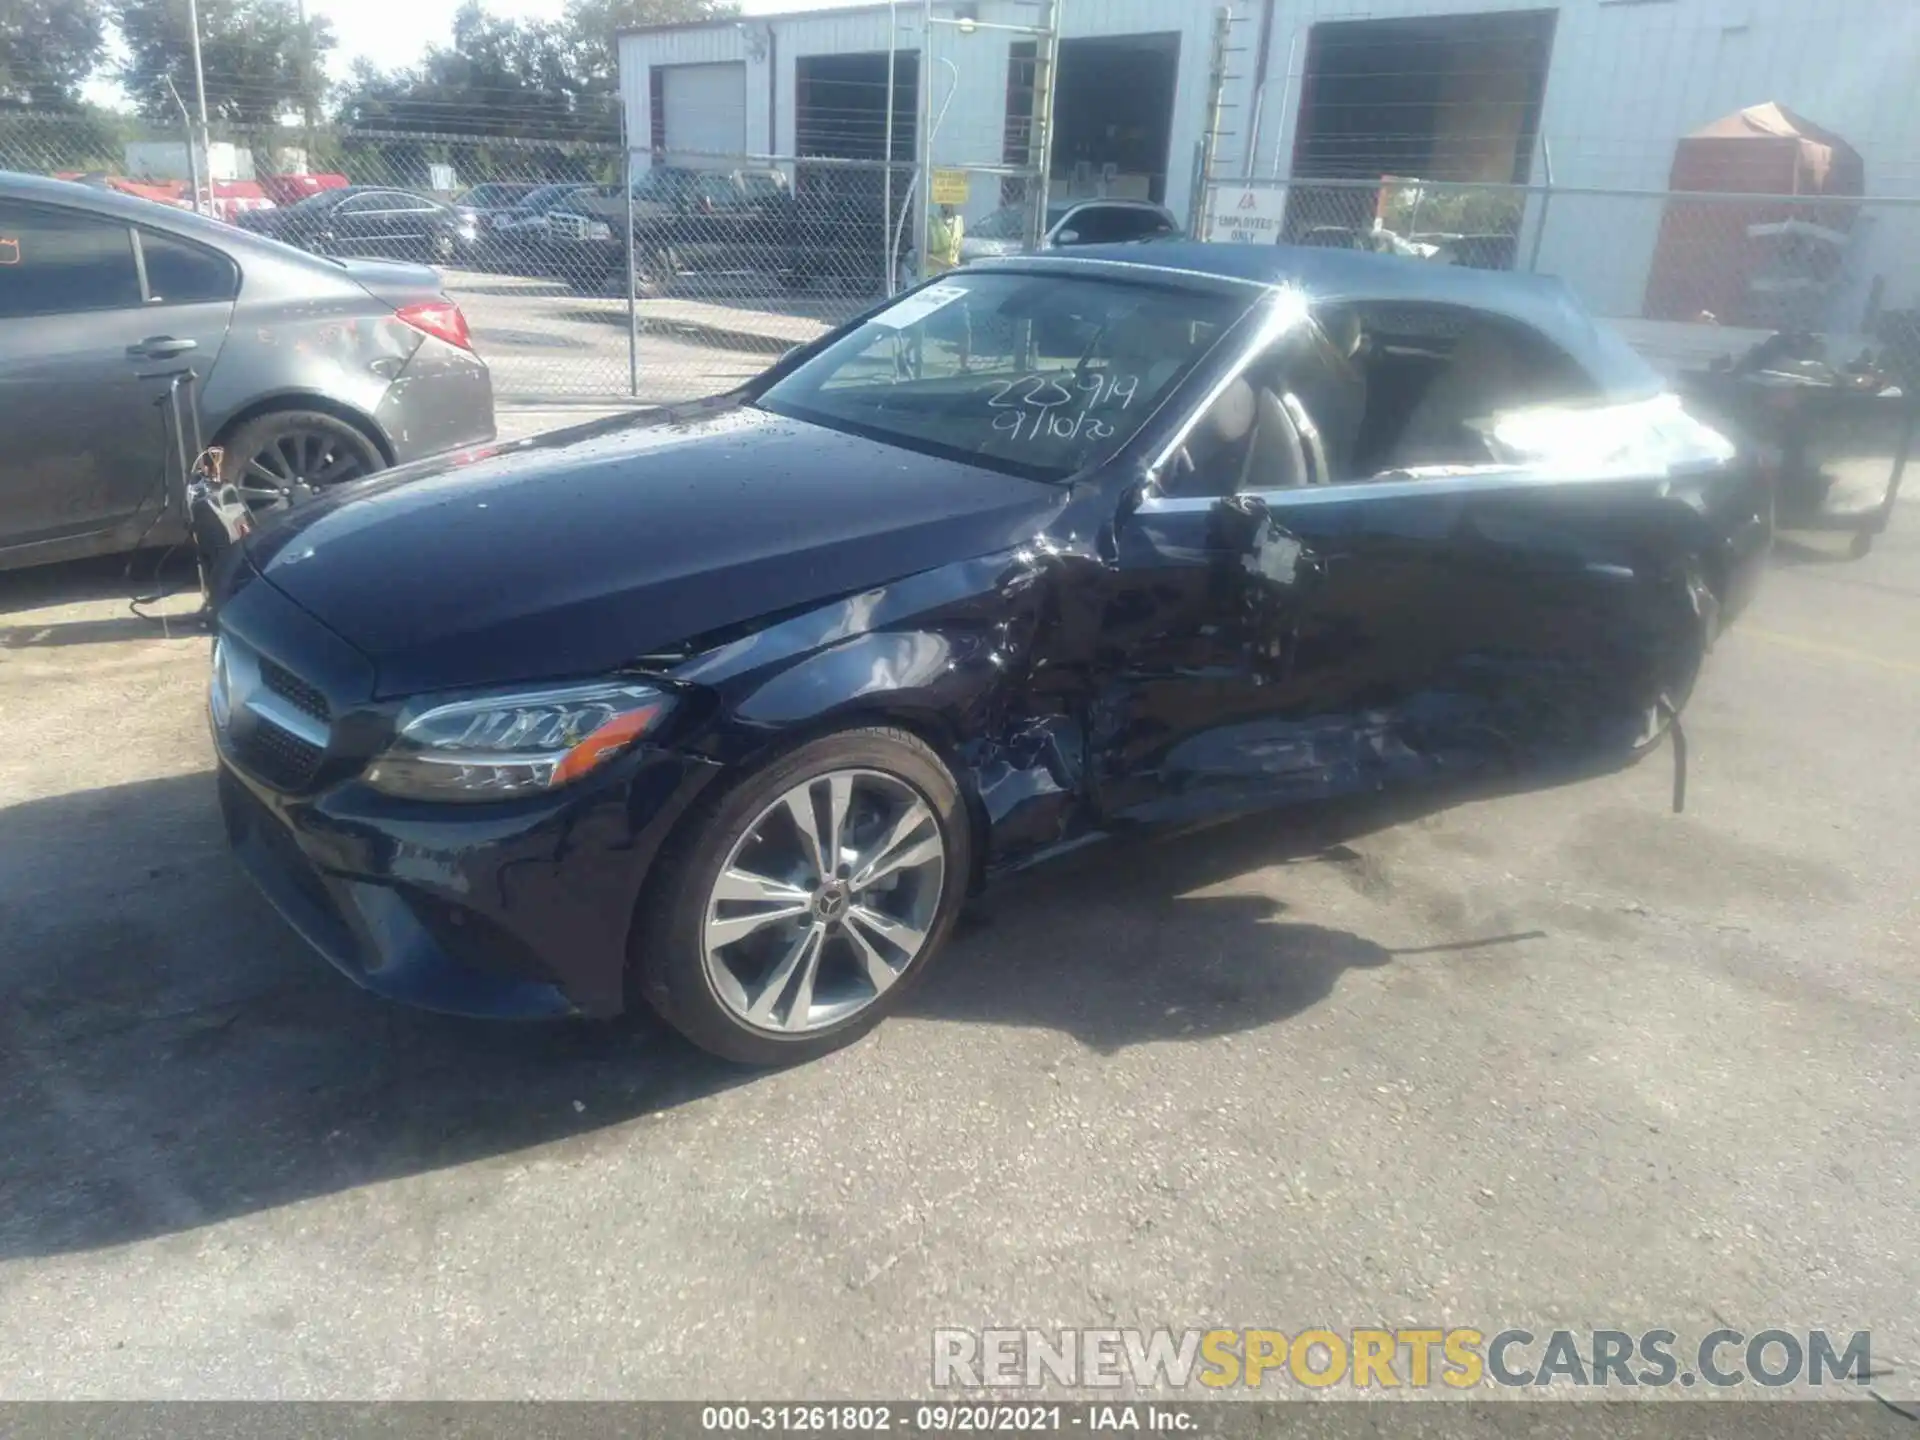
(1554, 1060)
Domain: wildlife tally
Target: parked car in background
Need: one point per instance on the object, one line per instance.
(726, 709)
(495, 195)
(292, 189)
(310, 372)
(231, 198)
(710, 222)
(1069, 222)
(372, 222)
(518, 238)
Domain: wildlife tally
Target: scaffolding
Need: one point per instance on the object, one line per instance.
(945, 167)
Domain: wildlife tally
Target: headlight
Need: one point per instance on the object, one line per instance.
(599, 230)
(501, 746)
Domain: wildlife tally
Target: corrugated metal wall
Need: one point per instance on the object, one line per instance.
(1625, 82)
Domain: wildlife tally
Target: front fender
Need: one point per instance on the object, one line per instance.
(950, 654)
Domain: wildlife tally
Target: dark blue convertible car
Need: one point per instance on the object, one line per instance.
(725, 709)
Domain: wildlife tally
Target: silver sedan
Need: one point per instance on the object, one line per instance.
(308, 372)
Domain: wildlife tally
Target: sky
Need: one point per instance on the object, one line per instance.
(395, 32)
(392, 33)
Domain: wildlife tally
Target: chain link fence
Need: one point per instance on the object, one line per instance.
(593, 274)
(588, 273)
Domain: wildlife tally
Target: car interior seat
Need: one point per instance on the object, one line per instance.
(1212, 458)
(1276, 455)
(1337, 402)
(1485, 373)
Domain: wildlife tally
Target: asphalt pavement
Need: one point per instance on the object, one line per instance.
(1554, 1060)
(547, 344)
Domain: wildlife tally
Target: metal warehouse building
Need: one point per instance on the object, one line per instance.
(1587, 94)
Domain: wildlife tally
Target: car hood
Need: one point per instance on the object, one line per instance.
(581, 551)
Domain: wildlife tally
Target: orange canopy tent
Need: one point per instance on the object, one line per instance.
(1709, 257)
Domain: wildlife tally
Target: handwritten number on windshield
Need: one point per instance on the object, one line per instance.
(1028, 404)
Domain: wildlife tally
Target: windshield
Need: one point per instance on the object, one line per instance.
(1037, 375)
(494, 194)
(663, 184)
(487, 196)
(547, 195)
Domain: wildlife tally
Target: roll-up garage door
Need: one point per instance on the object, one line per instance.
(704, 111)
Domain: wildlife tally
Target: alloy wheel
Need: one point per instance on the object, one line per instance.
(825, 901)
(295, 465)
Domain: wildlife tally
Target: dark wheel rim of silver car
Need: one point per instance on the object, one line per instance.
(826, 900)
(296, 464)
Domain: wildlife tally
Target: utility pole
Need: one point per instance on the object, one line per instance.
(200, 95)
(186, 128)
(307, 78)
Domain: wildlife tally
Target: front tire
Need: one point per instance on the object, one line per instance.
(807, 899)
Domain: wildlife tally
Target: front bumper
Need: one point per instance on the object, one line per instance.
(510, 909)
(501, 912)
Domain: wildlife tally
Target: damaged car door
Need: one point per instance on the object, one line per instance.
(1261, 643)
(1312, 625)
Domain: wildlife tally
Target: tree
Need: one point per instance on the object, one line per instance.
(526, 79)
(48, 50)
(592, 29)
(498, 77)
(260, 66)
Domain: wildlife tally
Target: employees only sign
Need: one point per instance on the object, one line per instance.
(1247, 216)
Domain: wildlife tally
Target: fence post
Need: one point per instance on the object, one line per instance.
(886, 173)
(1546, 204)
(633, 299)
(923, 208)
(1046, 66)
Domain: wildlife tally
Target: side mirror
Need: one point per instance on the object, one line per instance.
(1067, 237)
(1237, 524)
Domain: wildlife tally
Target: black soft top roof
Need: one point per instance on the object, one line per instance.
(1333, 276)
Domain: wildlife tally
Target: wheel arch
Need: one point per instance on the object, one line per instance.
(917, 721)
(289, 400)
(885, 712)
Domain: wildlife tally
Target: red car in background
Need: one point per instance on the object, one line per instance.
(231, 198)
